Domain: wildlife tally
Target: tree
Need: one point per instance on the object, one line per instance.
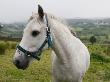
(92, 39)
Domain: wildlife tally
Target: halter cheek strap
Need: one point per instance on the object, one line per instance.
(48, 40)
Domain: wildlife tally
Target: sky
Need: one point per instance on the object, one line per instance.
(21, 10)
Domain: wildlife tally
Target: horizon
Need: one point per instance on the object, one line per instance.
(93, 18)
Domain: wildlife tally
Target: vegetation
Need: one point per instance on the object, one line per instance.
(3, 47)
(92, 39)
(40, 71)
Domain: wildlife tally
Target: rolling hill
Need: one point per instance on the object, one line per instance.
(83, 27)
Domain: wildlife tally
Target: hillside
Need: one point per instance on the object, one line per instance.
(12, 30)
(91, 26)
(84, 27)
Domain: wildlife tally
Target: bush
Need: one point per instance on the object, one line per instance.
(99, 58)
(3, 48)
(92, 39)
(13, 45)
(108, 51)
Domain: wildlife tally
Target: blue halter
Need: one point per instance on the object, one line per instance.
(48, 40)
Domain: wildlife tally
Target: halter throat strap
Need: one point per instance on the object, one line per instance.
(48, 40)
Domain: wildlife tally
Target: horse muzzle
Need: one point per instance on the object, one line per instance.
(20, 65)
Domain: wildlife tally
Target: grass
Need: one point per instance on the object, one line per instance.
(99, 69)
(98, 72)
(40, 71)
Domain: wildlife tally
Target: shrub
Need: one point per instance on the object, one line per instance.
(3, 48)
(13, 45)
(107, 75)
(99, 58)
(92, 39)
(108, 51)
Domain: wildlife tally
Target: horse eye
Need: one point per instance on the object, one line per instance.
(35, 33)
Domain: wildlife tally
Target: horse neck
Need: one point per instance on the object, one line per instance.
(61, 40)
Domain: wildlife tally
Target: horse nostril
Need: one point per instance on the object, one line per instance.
(16, 62)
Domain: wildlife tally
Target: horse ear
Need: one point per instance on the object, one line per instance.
(40, 11)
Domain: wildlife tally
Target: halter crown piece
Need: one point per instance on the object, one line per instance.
(48, 40)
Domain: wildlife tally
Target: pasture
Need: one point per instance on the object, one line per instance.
(40, 71)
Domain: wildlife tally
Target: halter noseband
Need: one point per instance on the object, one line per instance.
(48, 40)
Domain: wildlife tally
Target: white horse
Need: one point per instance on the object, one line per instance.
(70, 56)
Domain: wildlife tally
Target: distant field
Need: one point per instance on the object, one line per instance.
(40, 71)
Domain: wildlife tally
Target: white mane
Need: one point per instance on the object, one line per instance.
(35, 15)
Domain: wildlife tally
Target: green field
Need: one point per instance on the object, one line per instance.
(40, 71)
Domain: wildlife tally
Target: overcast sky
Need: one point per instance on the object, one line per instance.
(20, 10)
